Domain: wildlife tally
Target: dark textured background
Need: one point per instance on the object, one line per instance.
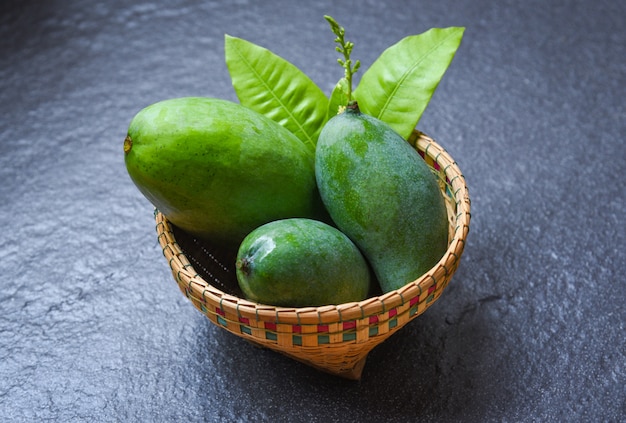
(93, 327)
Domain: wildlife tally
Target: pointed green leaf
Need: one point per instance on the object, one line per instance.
(338, 98)
(400, 83)
(272, 86)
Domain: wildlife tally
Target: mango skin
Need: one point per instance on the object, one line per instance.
(217, 169)
(380, 192)
(301, 262)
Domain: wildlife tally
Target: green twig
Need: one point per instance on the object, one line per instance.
(345, 48)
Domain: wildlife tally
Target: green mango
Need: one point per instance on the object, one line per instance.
(217, 169)
(380, 192)
(301, 262)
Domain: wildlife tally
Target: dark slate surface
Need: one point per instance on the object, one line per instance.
(93, 327)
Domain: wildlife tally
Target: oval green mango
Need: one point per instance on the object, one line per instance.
(301, 262)
(217, 169)
(380, 192)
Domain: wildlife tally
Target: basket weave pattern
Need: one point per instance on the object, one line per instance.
(332, 338)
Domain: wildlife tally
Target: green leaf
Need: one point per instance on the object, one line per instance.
(398, 86)
(272, 86)
(338, 98)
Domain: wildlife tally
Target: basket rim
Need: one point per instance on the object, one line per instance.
(333, 313)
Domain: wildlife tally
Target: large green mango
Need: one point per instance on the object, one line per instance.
(381, 193)
(217, 169)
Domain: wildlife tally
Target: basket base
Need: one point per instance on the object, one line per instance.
(351, 370)
(357, 370)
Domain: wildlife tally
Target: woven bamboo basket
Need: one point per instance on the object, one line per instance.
(332, 338)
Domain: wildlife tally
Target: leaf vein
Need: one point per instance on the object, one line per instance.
(277, 99)
(406, 74)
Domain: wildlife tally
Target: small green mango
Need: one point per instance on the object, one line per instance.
(301, 262)
(217, 169)
(380, 192)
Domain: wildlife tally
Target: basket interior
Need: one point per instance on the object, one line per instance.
(213, 263)
(206, 272)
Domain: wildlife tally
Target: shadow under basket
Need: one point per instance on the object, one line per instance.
(332, 338)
